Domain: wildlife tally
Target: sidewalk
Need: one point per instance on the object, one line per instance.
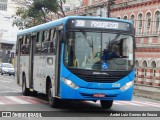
(147, 91)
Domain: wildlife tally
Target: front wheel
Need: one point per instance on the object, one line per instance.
(107, 104)
(53, 102)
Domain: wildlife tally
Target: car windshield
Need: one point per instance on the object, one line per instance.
(7, 65)
(99, 51)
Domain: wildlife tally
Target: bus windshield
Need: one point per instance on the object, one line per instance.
(99, 50)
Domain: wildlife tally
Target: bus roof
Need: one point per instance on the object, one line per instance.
(63, 20)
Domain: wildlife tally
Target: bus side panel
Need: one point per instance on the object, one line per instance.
(15, 68)
(44, 67)
(17, 62)
(24, 68)
(37, 73)
(49, 68)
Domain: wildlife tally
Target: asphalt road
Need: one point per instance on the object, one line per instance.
(12, 100)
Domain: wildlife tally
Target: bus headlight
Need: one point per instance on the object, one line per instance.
(126, 86)
(69, 83)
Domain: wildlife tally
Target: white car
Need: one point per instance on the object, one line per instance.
(6, 68)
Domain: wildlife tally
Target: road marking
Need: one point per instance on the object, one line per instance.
(117, 103)
(5, 81)
(34, 98)
(17, 100)
(4, 78)
(11, 88)
(9, 100)
(128, 103)
(135, 103)
(9, 91)
(12, 100)
(148, 104)
(1, 103)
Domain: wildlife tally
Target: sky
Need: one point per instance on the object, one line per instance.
(9, 32)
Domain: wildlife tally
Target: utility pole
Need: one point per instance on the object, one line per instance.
(110, 3)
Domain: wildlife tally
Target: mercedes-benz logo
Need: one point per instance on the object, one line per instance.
(99, 85)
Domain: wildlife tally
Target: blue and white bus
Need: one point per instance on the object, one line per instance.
(77, 58)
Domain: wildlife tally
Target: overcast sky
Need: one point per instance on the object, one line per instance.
(9, 32)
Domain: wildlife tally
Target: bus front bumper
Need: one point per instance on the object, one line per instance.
(94, 94)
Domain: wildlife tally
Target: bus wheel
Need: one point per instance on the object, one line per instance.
(106, 103)
(34, 93)
(25, 91)
(53, 102)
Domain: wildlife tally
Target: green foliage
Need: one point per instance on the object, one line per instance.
(37, 12)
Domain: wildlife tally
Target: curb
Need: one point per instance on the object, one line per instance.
(147, 92)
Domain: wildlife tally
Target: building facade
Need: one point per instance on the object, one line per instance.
(5, 51)
(3, 5)
(146, 18)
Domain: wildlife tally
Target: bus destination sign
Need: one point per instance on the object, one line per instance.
(100, 24)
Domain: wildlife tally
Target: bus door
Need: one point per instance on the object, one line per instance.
(31, 60)
(58, 59)
(17, 64)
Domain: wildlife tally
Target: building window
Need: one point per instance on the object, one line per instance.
(136, 67)
(139, 30)
(148, 22)
(144, 65)
(125, 18)
(153, 66)
(157, 21)
(154, 73)
(3, 1)
(3, 7)
(132, 18)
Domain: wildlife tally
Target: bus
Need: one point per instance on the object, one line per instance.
(77, 58)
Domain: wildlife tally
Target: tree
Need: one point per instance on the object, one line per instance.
(60, 8)
(35, 12)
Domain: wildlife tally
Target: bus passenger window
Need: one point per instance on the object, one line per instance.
(51, 47)
(45, 42)
(25, 45)
(38, 43)
(46, 35)
(21, 46)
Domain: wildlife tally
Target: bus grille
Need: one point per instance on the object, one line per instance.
(108, 77)
(100, 78)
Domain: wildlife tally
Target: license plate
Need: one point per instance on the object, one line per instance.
(98, 95)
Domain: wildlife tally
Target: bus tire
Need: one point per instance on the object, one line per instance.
(107, 104)
(25, 90)
(53, 102)
(34, 93)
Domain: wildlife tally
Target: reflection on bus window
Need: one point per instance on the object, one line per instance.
(88, 50)
(25, 45)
